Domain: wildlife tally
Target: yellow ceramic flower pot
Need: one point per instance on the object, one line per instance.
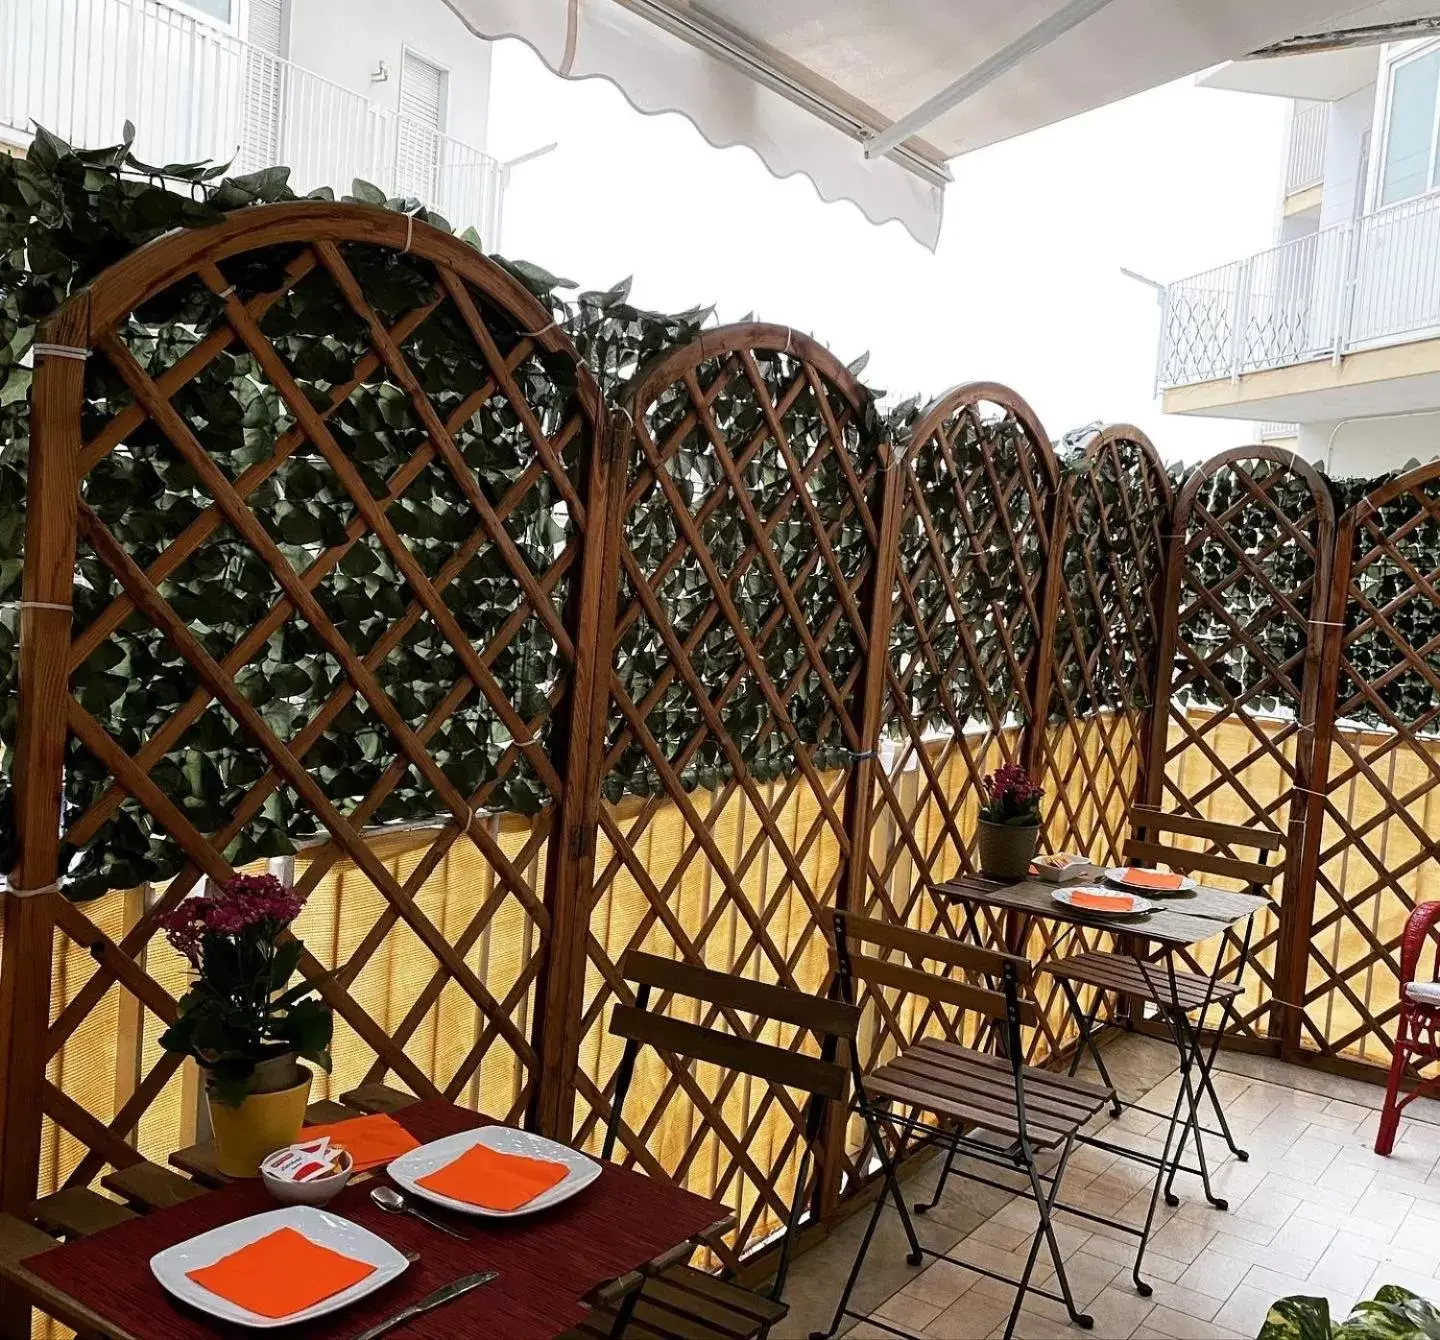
(263, 1123)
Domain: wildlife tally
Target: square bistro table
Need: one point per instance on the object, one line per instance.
(552, 1266)
(1180, 921)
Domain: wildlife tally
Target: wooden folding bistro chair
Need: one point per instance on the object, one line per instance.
(679, 1302)
(1175, 994)
(993, 1108)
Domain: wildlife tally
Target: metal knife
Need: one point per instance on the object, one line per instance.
(446, 1294)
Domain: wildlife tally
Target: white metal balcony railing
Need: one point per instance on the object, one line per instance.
(82, 68)
(1371, 281)
(1308, 129)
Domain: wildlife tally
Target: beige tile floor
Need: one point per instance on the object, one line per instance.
(1314, 1211)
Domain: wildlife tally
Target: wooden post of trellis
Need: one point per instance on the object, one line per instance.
(571, 876)
(1318, 689)
(878, 604)
(25, 968)
(1042, 668)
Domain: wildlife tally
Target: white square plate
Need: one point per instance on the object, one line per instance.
(1117, 876)
(418, 1163)
(1138, 906)
(171, 1266)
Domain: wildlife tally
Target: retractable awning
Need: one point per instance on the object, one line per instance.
(871, 98)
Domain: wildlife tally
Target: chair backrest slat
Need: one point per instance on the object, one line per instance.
(777, 1064)
(931, 986)
(817, 1013)
(1187, 862)
(920, 945)
(1145, 821)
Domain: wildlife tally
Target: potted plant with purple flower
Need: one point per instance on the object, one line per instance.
(1009, 822)
(242, 1021)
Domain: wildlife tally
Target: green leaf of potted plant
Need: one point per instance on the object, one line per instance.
(1009, 822)
(242, 1021)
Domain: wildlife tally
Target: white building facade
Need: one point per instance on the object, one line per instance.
(1331, 338)
(392, 91)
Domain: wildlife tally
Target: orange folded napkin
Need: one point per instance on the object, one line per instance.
(371, 1141)
(280, 1274)
(1103, 902)
(1152, 879)
(494, 1181)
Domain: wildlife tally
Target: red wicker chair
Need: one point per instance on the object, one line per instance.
(1417, 1035)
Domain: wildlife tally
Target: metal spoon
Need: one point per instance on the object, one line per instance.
(392, 1202)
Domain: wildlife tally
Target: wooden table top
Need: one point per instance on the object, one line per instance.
(77, 1213)
(1182, 919)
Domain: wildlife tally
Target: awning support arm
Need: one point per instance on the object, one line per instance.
(987, 72)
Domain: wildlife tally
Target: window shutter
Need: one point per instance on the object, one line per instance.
(422, 99)
(264, 85)
(265, 28)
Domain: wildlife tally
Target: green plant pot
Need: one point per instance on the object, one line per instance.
(1006, 851)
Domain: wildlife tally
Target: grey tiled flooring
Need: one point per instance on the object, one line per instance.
(1314, 1211)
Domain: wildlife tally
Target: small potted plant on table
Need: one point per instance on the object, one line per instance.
(242, 1022)
(1009, 822)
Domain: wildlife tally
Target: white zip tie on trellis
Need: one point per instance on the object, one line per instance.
(535, 334)
(60, 351)
(409, 234)
(33, 893)
(226, 293)
(37, 605)
(1326, 623)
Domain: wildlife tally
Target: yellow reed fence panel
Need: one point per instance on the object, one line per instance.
(1370, 878)
(753, 1142)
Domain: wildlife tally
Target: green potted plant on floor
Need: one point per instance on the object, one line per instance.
(242, 1022)
(1009, 822)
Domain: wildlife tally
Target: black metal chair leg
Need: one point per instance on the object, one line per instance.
(1084, 1020)
(1046, 1205)
(1207, 1064)
(925, 1206)
(1190, 1042)
(1141, 1287)
(842, 1305)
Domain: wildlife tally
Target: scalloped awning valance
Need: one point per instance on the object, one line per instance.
(871, 98)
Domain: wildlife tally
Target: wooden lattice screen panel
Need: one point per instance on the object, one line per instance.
(968, 657)
(407, 524)
(1254, 529)
(1375, 811)
(748, 527)
(1117, 522)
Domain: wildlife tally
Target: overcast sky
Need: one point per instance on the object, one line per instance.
(1025, 286)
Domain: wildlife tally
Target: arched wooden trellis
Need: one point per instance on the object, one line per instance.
(970, 649)
(1235, 708)
(1116, 510)
(107, 386)
(747, 529)
(1371, 815)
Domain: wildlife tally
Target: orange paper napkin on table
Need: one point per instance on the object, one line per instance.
(1102, 902)
(280, 1274)
(494, 1181)
(1152, 879)
(371, 1141)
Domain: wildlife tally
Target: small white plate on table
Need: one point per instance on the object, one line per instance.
(581, 1170)
(1139, 906)
(171, 1266)
(1119, 873)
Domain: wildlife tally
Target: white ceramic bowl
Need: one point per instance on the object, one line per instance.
(319, 1192)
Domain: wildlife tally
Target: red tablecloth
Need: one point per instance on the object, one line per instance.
(547, 1262)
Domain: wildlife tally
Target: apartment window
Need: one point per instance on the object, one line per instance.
(1411, 131)
(422, 116)
(222, 11)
